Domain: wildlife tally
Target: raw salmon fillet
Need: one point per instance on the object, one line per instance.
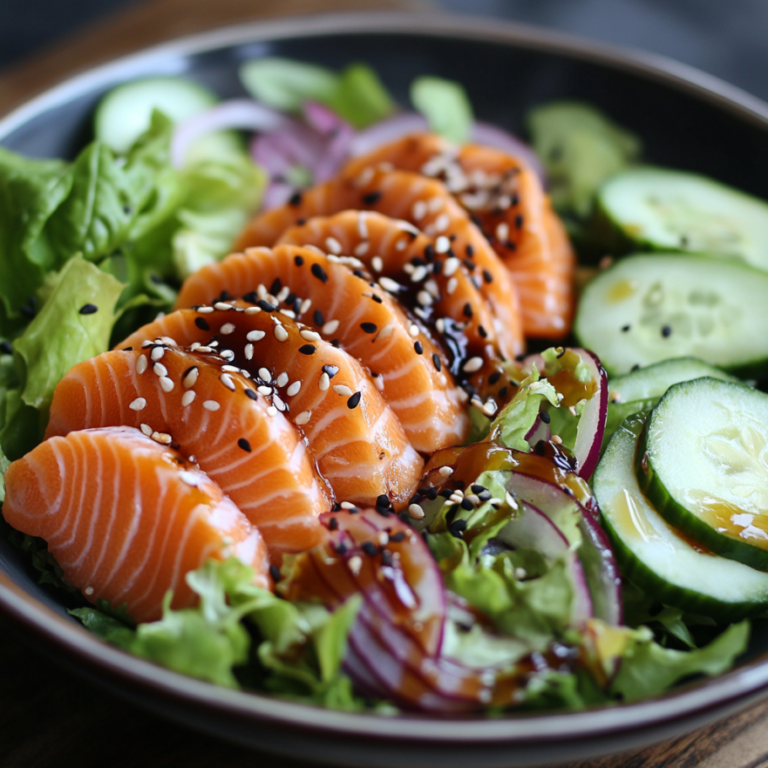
(127, 518)
(507, 201)
(362, 318)
(423, 202)
(353, 435)
(216, 418)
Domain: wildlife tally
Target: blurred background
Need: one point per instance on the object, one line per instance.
(727, 39)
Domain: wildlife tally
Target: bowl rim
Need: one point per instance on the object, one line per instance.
(76, 643)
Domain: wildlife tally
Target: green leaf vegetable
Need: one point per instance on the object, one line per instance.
(445, 105)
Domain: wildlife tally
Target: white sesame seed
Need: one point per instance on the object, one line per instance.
(190, 478)
(451, 286)
(333, 258)
(188, 397)
(195, 345)
(442, 244)
(385, 332)
(378, 380)
(277, 401)
(302, 418)
(441, 223)
(424, 298)
(162, 437)
(383, 538)
(262, 390)
(249, 351)
(388, 284)
(293, 389)
(280, 333)
(400, 245)
(139, 404)
(355, 564)
(159, 369)
(556, 439)
(308, 335)
(473, 364)
(190, 379)
(333, 245)
(504, 201)
(141, 364)
(166, 384)
(227, 381)
(255, 335)
(156, 353)
(416, 512)
(454, 498)
(230, 369)
(365, 176)
(227, 328)
(331, 327)
(446, 471)
(343, 390)
(282, 379)
(473, 499)
(450, 266)
(146, 429)
(413, 330)
(431, 286)
(252, 310)
(362, 225)
(435, 204)
(419, 210)
(408, 268)
(502, 232)
(419, 273)
(211, 405)
(377, 263)
(265, 375)
(324, 382)
(283, 295)
(271, 411)
(221, 306)
(227, 354)
(204, 310)
(440, 323)
(362, 248)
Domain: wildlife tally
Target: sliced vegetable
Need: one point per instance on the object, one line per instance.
(664, 210)
(704, 464)
(445, 105)
(668, 565)
(647, 308)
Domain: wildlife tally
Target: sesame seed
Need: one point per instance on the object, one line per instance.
(437, 362)
(189, 378)
(453, 283)
(139, 404)
(188, 397)
(308, 335)
(211, 405)
(431, 287)
(502, 231)
(205, 310)
(413, 330)
(371, 198)
(146, 429)
(487, 276)
(278, 403)
(190, 478)
(377, 263)
(156, 353)
(230, 369)
(307, 349)
(378, 380)
(388, 284)
(418, 348)
(271, 411)
(264, 390)
(302, 418)
(442, 244)
(419, 210)
(141, 364)
(467, 310)
(446, 471)
(249, 351)
(159, 369)
(435, 204)
(88, 590)
(354, 401)
(343, 390)
(227, 354)
(419, 274)
(400, 245)
(280, 333)
(666, 331)
(330, 327)
(252, 310)
(88, 309)
(473, 364)
(424, 298)
(319, 273)
(265, 306)
(256, 335)
(450, 266)
(162, 437)
(244, 444)
(227, 328)
(333, 245)
(166, 384)
(324, 382)
(355, 564)
(265, 375)
(282, 379)
(222, 306)
(294, 389)
(368, 327)
(416, 512)
(441, 224)
(227, 381)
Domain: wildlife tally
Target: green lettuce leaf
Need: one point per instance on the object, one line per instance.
(30, 192)
(360, 96)
(61, 336)
(445, 105)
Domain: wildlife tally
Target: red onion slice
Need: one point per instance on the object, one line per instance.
(387, 130)
(236, 114)
(591, 427)
(498, 138)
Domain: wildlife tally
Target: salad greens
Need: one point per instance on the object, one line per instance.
(445, 105)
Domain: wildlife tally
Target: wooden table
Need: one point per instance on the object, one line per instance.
(52, 719)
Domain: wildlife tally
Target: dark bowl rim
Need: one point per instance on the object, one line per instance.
(75, 643)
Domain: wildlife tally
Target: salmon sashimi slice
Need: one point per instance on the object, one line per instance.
(127, 518)
(404, 262)
(365, 320)
(214, 416)
(355, 437)
(426, 203)
(506, 199)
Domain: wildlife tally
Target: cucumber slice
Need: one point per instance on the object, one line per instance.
(704, 466)
(661, 209)
(125, 112)
(652, 307)
(655, 556)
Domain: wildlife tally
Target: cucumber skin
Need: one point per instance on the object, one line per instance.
(681, 518)
(635, 571)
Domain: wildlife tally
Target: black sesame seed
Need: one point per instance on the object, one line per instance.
(307, 349)
(317, 316)
(386, 557)
(274, 572)
(476, 488)
(483, 333)
(319, 273)
(298, 261)
(359, 273)
(417, 261)
(251, 297)
(295, 199)
(625, 328)
(265, 306)
(437, 362)
(503, 392)
(467, 311)
(291, 298)
(88, 309)
(335, 343)
(331, 370)
(494, 377)
(666, 331)
(519, 220)
(244, 444)
(484, 496)
(429, 252)
(333, 524)
(376, 298)
(276, 286)
(510, 245)
(466, 504)
(371, 198)
(457, 528)
(487, 276)
(545, 417)
(418, 348)
(301, 222)
(635, 367)
(354, 400)
(340, 548)
(369, 327)
(470, 251)
(125, 349)
(370, 549)
(224, 296)
(249, 393)
(445, 493)
(202, 324)
(7, 348)
(397, 537)
(540, 448)
(382, 500)
(437, 267)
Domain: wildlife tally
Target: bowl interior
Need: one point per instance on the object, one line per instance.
(504, 75)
